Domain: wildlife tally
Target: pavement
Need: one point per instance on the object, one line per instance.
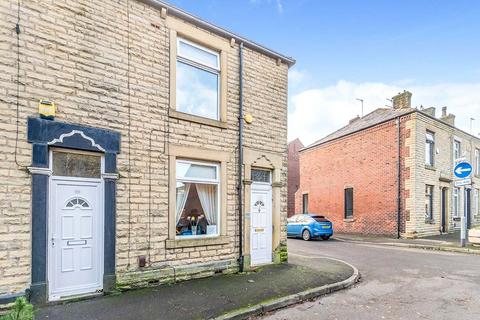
(445, 242)
(223, 297)
(397, 283)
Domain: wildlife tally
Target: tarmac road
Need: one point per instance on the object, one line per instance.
(397, 283)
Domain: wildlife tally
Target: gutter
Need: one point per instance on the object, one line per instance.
(179, 13)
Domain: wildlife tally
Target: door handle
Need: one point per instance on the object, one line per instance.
(53, 240)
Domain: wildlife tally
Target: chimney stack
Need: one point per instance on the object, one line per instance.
(354, 119)
(402, 100)
(447, 117)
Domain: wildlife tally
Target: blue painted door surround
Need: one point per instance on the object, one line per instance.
(43, 134)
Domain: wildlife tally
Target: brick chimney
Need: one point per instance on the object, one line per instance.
(402, 100)
(447, 117)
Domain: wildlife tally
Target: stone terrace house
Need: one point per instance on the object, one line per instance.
(135, 180)
(391, 173)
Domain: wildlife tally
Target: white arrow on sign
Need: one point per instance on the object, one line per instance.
(460, 170)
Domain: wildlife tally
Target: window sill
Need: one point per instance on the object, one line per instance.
(349, 220)
(429, 167)
(196, 242)
(201, 120)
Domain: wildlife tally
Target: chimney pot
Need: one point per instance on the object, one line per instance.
(444, 112)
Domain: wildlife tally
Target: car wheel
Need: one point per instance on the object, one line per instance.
(325, 237)
(306, 235)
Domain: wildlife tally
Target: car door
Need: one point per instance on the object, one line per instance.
(296, 226)
(290, 222)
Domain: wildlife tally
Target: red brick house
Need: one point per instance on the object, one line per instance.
(293, 174)
(390, 173)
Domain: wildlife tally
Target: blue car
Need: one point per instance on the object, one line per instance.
(309, 226)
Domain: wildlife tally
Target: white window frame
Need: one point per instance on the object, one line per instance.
(216, 182)
(430, 197)
(429, 148)
(456, 205)
(477, 161)
(199, 65)
(455, 141)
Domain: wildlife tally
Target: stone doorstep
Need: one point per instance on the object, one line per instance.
(290, 300)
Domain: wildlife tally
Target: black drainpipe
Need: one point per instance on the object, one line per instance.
(399, 177)
(240, 161)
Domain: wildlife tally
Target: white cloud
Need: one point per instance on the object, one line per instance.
(278, 4)
(317, 112)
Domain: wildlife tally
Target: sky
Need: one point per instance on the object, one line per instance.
(369, 49)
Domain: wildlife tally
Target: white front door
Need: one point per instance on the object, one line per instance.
(75, 237)
(261, 224)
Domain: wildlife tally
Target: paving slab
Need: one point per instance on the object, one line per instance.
(232, 296)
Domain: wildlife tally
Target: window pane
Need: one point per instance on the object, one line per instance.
(305, 203)
(429, 136)
(76, 165)
(260, 175)
(196, 171)
(198, 55)
(197, 91)
(348, 202)
(197, 209)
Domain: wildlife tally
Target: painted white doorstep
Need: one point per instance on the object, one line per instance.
(261, 224)
(75, 265)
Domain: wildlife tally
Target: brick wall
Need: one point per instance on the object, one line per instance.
(76, 54)
(293, 175)
(365, 161)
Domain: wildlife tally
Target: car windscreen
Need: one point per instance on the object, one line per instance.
(320, 218)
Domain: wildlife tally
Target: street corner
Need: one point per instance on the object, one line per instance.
(296, 282)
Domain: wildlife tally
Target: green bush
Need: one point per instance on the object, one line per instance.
(21, 310)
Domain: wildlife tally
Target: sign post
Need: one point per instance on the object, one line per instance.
(462, 171)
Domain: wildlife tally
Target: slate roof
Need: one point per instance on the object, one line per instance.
(375, 117)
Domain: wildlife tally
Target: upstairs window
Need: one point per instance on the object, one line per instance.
(348, 203)
(197, 80)
(428, 202)
(429, 148)
(456, 149)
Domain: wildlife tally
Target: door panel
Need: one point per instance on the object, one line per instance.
(76, 237)
(261, 224)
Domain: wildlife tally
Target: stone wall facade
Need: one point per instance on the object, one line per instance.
(440, 175)
(106, 64)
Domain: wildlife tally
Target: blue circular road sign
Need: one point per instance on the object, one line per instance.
(462, 170)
